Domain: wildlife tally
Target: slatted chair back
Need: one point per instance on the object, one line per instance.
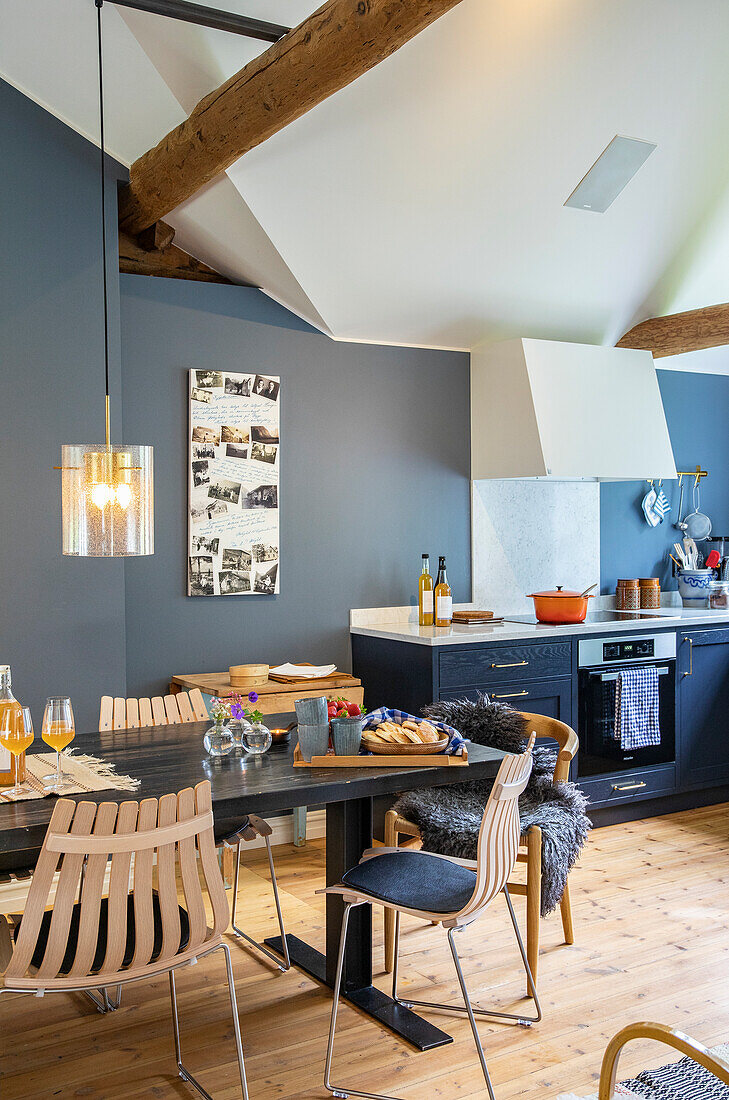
(177, 829)
(131, 714)
(564, 735)
(498, 838)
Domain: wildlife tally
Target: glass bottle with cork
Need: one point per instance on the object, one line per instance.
(425, 594)
(443, 597)
(12, 767)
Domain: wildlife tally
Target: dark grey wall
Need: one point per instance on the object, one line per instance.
(374, 471)
(61, 619)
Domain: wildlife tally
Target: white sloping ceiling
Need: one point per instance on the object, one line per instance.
(423, 204)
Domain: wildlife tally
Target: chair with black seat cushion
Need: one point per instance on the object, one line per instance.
(130, 714)
(442, 890)
(86, 942)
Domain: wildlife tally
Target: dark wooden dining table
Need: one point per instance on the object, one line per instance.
(170, 758)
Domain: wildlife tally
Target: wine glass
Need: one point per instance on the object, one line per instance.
(16, 735)
(58, 731)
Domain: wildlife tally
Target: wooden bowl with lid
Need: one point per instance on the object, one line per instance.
(248, 677)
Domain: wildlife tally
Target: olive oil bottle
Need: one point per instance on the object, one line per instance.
(425, 594)
(443, 597)
(12, 768)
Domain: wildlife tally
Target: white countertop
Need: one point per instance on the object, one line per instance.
(461, 634)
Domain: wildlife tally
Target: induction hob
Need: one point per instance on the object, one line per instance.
(608, 616)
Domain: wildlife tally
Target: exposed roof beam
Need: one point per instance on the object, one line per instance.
(681, 332)
(208, 17)
(169, 262)
(330, 49)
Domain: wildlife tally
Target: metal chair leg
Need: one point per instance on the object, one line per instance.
(471, 1017)
(234, 905)
(523, 1021)
(395, 951)
(185, 1073)
(342, 1091)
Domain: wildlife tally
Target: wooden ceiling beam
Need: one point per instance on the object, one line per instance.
(170, 262)
(325, 53)
(681, 332)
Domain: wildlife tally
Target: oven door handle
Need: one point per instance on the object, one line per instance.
(608, 676)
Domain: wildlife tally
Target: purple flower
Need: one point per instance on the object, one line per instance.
(237, 711)
(253, 696)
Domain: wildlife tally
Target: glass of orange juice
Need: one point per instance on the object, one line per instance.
(16, 735)
(58, 731)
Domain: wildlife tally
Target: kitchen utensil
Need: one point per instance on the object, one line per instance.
(679, 520)
(589, 589)
(697, 525)
(712, 559)
(681, 555)
(691, 552)
(675, 560)
(248, 676)
(560, 606)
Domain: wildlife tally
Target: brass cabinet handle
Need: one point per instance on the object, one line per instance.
(628, 787)
(691, 657)
(514, 664)
(510, 695)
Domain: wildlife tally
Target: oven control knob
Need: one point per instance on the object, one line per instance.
(611, 652)
(643, 649)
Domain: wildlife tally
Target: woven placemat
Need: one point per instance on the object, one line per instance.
(82, 774)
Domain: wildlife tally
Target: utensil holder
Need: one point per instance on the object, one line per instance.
(313, 740)
(346, 736)
(312, 712)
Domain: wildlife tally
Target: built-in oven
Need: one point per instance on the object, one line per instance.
(600, 662)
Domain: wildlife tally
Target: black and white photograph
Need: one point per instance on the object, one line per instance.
(235, 450)
(202, 434)
(201, 545)
(236, 559)
(233, 478)
(231, 434)
(235, 386)
(262, 552)
(210, 379)
(203, 450)
(200, 473)
(265, 387)
(261, 434)
(231, 582)
(222, 489)
(266, 582)
(264, 452)
(263, 496)
(201, 576)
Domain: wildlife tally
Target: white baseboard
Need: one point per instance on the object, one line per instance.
(283, 829)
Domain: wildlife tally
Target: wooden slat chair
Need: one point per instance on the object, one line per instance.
(121, 714)
(85, 941)
(661, 1034)
(442, 890)
(530, 849)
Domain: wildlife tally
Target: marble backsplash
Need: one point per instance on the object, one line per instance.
(532, 535)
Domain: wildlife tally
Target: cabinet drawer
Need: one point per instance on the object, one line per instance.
(630, 786)
(535, 661)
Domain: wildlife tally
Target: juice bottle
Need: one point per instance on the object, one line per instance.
(12, 768)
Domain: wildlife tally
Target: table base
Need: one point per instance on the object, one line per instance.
(403, 1021)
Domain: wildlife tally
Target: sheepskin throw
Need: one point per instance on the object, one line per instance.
(449, 817)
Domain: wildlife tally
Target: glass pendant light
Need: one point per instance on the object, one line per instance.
(107, 489)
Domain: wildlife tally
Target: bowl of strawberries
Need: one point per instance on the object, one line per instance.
(345, 722)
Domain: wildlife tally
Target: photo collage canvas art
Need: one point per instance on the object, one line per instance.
(234, 476)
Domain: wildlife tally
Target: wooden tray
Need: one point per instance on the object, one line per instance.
(401, 761)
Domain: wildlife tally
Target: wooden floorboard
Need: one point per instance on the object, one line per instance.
(651, 901)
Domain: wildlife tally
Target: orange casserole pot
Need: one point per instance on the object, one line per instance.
(559, 606)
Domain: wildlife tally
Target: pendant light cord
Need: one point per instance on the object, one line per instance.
(103, 220)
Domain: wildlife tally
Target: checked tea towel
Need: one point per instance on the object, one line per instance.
(636, 709)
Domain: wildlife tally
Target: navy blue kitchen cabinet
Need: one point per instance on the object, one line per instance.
(703, 691)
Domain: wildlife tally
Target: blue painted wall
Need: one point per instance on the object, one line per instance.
(697, 412)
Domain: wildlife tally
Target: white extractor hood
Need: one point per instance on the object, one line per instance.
(543, 408)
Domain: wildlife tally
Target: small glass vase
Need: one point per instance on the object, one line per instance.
(238, 727)
(218, 740)
(256, 739)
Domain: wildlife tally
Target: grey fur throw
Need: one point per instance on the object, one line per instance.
(449, 817)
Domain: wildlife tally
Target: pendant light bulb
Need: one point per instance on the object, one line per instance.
(107, 495)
